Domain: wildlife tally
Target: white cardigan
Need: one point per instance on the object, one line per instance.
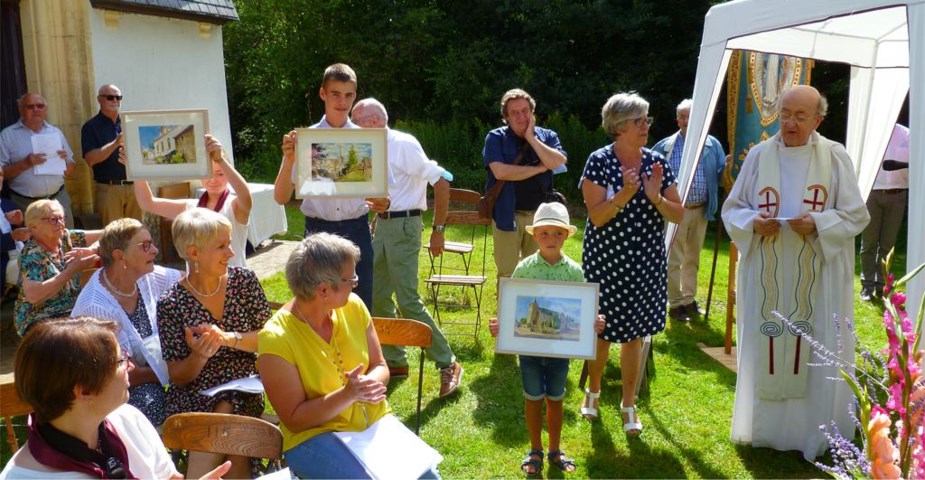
(96, 301)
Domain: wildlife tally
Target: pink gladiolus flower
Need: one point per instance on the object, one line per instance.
(898, 299)
(882, 453)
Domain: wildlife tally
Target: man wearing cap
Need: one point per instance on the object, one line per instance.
(699, 208)
(524, 156)
(100, 141)
(397, 241)
(20, 162)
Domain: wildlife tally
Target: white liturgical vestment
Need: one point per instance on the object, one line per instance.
(782, 394)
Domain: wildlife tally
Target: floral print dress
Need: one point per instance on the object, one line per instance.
(246, 310)
(38, 264)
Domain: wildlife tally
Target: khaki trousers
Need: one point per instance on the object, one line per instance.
(116, 201)
(684, 258)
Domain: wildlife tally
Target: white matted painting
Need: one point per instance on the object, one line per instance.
(341, 162)
(166, 144)
(546, 318)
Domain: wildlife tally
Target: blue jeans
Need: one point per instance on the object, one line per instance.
(543, 377)
(357, 231)
(325, 456)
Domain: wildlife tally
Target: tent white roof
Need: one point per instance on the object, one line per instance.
(882, 40)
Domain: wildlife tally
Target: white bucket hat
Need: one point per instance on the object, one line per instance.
(553, 214)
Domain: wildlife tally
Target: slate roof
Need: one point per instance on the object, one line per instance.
(212, 11)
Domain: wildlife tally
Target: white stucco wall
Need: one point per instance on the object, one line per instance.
(162, 64)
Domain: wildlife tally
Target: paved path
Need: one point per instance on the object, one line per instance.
(268, 260)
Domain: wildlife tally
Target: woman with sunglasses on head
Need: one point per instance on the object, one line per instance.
(125, 291)
(208, 324)
(630, 192)
(236, 207)
(75, 377)
(50, 264)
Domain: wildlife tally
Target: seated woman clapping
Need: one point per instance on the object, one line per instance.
(50, 264)
(321, 362)
(125, 291)
(74, 375)
(208, 324)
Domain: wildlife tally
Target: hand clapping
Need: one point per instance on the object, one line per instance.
(204, 340)
(630, 178)
(362, 388)
(653, 183)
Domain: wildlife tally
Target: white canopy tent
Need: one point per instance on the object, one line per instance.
(882, 40)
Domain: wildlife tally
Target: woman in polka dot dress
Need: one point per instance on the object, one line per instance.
(629, 191)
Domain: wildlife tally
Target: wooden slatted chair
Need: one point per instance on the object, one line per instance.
(407, 333)
(11, 406)
(462, 223)
(173, 191)
(224, 433)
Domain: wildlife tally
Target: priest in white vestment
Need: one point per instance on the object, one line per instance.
(793, 213)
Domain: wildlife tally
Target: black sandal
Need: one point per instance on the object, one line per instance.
(558, 458)
(534, 460)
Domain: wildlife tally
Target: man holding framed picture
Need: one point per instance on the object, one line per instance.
(347, 217)
(100, 141)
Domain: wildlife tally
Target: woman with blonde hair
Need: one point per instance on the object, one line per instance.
(208, 324)
(50, 264)
(125, 290)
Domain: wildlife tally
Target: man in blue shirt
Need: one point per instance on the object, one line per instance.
(524, 156)
(699, 207)
(100, 141)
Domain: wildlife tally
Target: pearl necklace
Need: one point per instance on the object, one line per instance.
(206, 295)
(116, 290)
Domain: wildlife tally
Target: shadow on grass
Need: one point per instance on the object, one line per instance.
(500, 402)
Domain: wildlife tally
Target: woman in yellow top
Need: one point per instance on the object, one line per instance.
(321, 362)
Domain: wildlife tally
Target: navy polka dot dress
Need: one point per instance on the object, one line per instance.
(626, 256)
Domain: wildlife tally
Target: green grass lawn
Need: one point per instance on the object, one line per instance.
(687, 414)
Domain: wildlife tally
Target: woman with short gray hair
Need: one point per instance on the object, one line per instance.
(630, 192)
(321, 363)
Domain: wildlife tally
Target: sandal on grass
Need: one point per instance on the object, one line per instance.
(558, 458)
(533, 463)
(630, 427)
(590, 412)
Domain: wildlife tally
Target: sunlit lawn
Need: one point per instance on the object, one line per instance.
(687, 414)
(481, 433)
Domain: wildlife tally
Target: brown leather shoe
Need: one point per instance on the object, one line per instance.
(398, 372)
(450, 377)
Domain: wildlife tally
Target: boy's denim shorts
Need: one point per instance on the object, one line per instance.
(544, 377)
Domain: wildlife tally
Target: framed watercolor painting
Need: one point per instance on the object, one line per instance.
(341, 162)
(547, 318)
(166, 144)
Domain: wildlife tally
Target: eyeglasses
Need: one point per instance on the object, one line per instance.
(146, 245)
(640, 120)
(124, 357)
(787, 116)
(112, 97)
(54, 219)
(35, 106)
(352, 281)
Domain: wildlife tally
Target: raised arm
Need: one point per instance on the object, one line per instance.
(164, 207)
(243, 201)
(282, 187)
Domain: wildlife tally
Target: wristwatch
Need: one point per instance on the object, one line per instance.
(237, 339)
(439, 228)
